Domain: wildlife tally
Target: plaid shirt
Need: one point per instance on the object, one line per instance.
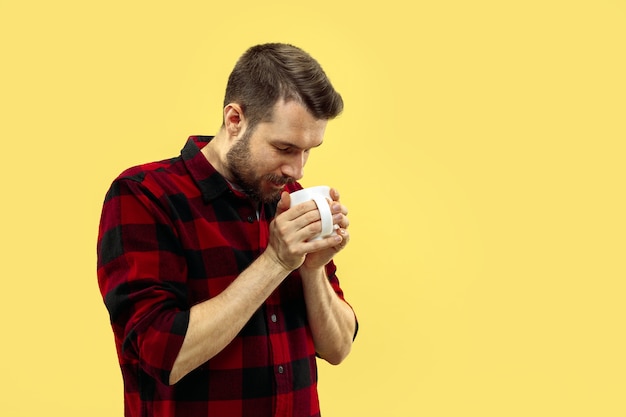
(173, 234)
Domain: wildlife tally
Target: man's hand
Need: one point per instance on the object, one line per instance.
(320, 258)
(292, 228)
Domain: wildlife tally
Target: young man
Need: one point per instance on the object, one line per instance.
(218, 300)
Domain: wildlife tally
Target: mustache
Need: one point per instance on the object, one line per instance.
(280, 179)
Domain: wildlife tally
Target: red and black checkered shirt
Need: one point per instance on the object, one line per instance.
(173, 234)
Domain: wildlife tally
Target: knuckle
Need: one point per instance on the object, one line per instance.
(312, 216)
(302, 208)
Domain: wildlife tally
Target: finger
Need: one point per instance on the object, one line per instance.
(303, 221)
(328, 242)
(308, 210)
(334, 194)
(341, 220)
(283, 203)
(337, 208)
(345, 238)
(309, 224)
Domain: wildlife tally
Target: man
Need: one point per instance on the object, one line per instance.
(219, 302)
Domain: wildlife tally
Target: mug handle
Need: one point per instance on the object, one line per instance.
(325, 214)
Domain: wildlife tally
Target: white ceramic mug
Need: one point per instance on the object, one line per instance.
(321, 196)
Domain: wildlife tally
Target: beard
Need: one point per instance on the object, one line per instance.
(242, 168)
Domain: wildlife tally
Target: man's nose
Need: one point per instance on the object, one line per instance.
(294, 168)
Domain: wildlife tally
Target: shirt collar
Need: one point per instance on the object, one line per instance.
(211, 183)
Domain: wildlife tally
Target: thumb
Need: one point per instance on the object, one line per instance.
(283, 203)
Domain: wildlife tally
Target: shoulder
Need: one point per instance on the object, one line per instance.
(139, 173)
(155, 179)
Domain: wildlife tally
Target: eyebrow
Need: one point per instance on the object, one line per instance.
(292, 145)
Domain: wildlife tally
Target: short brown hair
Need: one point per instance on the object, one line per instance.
(269, 72)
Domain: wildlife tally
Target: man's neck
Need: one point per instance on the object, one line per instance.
(215, 152)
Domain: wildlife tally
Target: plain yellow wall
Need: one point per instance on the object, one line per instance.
(481, 154)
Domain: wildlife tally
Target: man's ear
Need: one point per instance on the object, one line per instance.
(234, 120)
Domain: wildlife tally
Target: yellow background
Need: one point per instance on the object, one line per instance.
(481, 154)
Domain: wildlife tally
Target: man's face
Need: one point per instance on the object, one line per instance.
(263, 161)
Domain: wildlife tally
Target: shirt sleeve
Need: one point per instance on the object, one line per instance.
(142, 276)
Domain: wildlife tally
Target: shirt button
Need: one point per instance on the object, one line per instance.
(250, 219)
(281, 369)
(273, 317)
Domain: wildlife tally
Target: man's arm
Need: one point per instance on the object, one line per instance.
(332, 320)
(214, 323)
